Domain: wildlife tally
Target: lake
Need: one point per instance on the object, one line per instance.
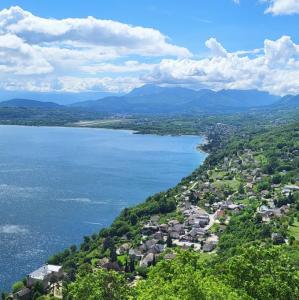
(59, 184)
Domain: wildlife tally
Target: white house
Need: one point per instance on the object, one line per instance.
(45, 275)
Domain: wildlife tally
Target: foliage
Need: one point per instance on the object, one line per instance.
(263, 272)
(17, 286)
(98, 285)
(184, 278)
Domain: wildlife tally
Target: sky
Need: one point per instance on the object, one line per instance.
(116, 45)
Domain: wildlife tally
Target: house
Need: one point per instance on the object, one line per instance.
(163, 228)
(112, 266)
(277, 238)
(135, 254)
(124, 248)
(202, 220)
(209, 246)
(23, 294)
(156, 249)
(289, 189)
(148, 260)
(174, 234)
(45, 275)
(149, 229)
(158, 236)
(102, 261)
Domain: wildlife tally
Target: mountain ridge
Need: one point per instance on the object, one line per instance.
(29, 103)
(156, 99)
(153, 99)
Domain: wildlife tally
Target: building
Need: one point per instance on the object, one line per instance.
(45, 275)
(23, 294)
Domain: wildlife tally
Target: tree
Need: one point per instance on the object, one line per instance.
(84, 269)
(108, 242)
(183, 278)
(36, 295)
(127, 268)
(102, 284)
(4, 296)
(113, 255)
(241, 189)
(133, 219)
(265, 273)
(169, 241)
(73, 248)
(17, 286)
(132, 265)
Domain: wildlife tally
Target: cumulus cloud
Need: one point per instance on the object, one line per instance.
(216, 48)
(87, 32)
(31, 46)
(127, 67)
(21, 58)
(89, 54)
(279, 7)
(274, 69)
(283, 7)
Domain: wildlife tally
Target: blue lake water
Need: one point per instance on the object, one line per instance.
(59, 184)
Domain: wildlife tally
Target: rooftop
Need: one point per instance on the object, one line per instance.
(43, 271)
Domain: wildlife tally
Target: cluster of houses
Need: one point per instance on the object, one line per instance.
(193, 232)
(48, 276)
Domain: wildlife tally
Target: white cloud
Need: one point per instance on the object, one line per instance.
(127, 67)
(20, 58)
(283, 7)
(216, 48)
(275, 70)
(109, 84)
(87, 32)
(88, 54)
(31, 46)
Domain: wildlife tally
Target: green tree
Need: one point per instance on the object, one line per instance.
(113, 255)
(99, 285)
(183, 278)
(169, 241)
(264, 273)
(17, 286)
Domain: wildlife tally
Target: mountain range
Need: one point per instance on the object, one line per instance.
(156, 99)
(153, 99)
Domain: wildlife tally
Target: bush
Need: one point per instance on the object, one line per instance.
(17, 286)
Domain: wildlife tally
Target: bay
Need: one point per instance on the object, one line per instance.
(59, 184)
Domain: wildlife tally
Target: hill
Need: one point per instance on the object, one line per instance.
(289, 101)
(26, 103)
(63, 98)
(161, 100)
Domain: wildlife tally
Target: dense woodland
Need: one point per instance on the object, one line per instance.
(253, 162)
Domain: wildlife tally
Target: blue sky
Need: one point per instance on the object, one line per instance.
(181, 55)
(188, 23)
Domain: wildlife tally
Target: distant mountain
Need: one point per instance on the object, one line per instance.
(289, 101)
(26, 103)
(63, 98)
(156, 99)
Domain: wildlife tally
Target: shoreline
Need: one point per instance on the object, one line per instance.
(195, 149)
